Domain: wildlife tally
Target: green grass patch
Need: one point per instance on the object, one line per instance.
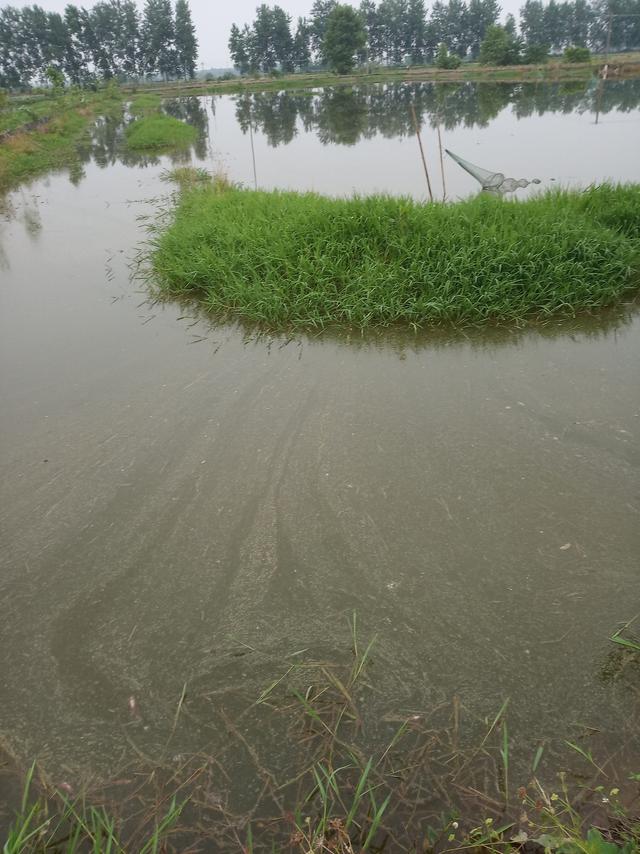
(144, 104)
(22, 111)
(187, 176)
(287, 258)
(158, 131)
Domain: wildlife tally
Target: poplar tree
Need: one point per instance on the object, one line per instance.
(263, 44)
(374, 47)
(186, 43)
(158, 37)
(281, 38)
(302, 45)
(319, 16)
(415, 31)
(78, 56)
(239, 49)
(481, 14)
(129, 38)
(12, 58)
(532, 22)
(392, 15)
(344, 37)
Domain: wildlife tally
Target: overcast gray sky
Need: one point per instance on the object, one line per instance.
(213, 20)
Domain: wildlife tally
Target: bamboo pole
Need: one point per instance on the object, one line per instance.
(605, 71)
(424, 162)
(253, 156)
(444, 186)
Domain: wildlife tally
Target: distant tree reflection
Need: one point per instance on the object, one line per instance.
(345, 115)
(342, 115)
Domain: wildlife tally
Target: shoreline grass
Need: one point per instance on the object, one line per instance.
(44, 133)
(294, 259)
(342, 811)
(158, 131)
(430, 786)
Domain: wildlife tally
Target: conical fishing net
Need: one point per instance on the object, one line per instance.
(494, 182)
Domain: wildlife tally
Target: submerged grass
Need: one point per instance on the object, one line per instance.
(157, 131)
(287, 258)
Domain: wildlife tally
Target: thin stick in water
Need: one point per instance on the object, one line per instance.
(444, 186)
(253, 156)
(177, 714)
(424, 162)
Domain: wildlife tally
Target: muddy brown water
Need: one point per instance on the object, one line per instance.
(185, 502)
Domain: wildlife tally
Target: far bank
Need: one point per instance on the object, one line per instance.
(620, 66)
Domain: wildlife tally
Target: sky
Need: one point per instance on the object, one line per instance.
(213, 20)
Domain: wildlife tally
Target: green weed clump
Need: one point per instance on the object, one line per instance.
(157, 131)
(75, 827)
(187, 176)
(291, 258)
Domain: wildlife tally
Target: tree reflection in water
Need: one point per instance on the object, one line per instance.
(345, 115)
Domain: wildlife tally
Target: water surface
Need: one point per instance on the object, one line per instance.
(176, 491)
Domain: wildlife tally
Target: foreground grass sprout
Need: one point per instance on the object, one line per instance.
(294, 258)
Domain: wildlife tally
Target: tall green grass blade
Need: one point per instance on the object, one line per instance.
(375, 822)
(361, 662)
(396, 737)
(27, 787)
(496, 720)
(313, 714)
(270, 688)
(358, 795)
(504, 753)
(616, 637)
(152, 846)
(586, 754)
(537, 758)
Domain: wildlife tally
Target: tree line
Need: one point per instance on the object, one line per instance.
(112, 40)
(405, 31)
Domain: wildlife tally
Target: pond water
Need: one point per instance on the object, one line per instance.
(340, 141)
(185, 503)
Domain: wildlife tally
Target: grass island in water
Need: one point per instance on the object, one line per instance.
(159, 131)
(299, 258)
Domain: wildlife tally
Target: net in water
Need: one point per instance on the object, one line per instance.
(493, 182)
